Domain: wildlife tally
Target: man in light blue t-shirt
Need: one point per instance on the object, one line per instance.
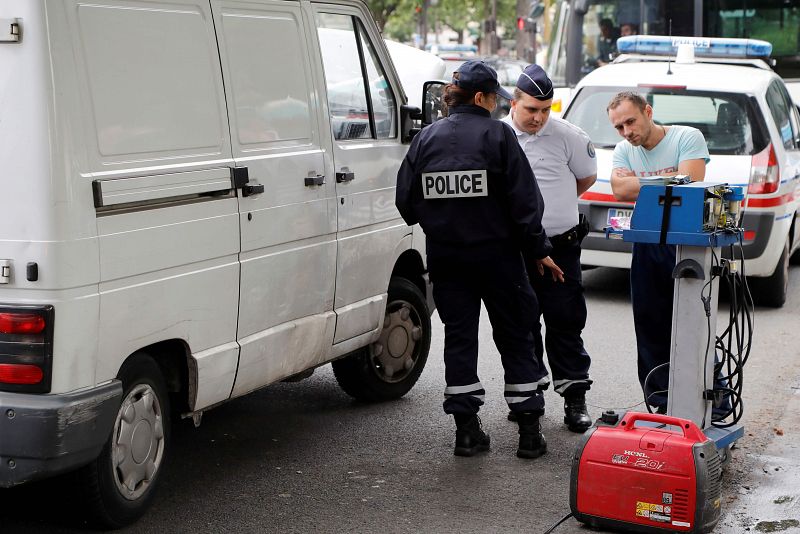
(650, 149)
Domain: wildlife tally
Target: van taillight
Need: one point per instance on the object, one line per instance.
(26, 348)
(21, 323)
(765, 175)
(20, 373)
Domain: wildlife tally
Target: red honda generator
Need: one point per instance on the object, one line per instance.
(646, 473)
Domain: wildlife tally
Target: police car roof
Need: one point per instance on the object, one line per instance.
(725, 77)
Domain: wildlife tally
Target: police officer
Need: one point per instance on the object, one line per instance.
(466, 181)
(563, 158)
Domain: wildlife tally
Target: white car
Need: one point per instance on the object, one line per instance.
(753, 133)
(414, 67)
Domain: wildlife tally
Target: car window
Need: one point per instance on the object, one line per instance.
(360, 99)
(782, 113)
(728, 121)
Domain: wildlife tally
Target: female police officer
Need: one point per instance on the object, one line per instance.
(466, 181)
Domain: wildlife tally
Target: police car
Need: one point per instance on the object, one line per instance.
(727, 90)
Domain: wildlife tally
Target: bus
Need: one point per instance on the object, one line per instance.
(584, 32)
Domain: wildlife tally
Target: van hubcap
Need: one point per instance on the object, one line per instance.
(138, 446)
(395, 352)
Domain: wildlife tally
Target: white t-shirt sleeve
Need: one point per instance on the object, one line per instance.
(582, 161)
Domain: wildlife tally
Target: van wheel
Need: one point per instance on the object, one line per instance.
(389, 367)
(771, 291)
(120, 484)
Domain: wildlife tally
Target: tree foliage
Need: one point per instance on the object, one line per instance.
(399, 19)
(403, 22)
(382, 10)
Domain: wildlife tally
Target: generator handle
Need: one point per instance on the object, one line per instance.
(689, 429)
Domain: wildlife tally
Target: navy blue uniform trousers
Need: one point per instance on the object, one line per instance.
(563, 307)
(461, 280)
(652, 289)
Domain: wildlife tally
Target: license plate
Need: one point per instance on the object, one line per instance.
(618, 212)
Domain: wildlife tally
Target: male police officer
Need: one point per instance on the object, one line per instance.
(466, 181)
(562, 157)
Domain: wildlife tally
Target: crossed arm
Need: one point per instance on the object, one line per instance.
(625, 183)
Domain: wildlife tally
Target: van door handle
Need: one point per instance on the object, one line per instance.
(252, 189)
(318, 179)
(345, 176)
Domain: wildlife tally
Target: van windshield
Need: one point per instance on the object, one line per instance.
(730, 122)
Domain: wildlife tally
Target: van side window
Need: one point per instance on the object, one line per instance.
(360, 99)
(781, 112)
(269, 108)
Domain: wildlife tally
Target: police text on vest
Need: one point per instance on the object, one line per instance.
(454, 184)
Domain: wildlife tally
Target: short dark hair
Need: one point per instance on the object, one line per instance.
(456, 96)
(631, 96)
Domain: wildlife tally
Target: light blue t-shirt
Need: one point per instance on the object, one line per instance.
(680, 144)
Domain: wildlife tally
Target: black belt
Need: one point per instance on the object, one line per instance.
(573, 235)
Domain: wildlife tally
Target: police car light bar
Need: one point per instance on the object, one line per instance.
(703, 46)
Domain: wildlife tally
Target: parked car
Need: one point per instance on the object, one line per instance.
(415, 67)
(750, 125)
(198, 201)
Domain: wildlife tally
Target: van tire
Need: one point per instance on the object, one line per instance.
(771, 291)
(389, 368)
(145, 401)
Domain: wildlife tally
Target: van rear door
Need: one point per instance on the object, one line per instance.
(288, 230)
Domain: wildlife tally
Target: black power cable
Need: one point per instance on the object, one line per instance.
(732, 346)
(551, 529)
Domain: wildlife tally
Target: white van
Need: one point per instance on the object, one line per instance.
(197, 201)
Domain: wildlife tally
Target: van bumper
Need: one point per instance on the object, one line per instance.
(44, 435)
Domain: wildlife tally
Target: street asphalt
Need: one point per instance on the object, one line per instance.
(303, 457)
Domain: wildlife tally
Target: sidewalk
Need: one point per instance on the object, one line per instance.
(769, 497)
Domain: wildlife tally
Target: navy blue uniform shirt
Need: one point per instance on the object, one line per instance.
(497, 203)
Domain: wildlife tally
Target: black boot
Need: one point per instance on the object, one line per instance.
(531, 441)
(470, 437)
(575, 415)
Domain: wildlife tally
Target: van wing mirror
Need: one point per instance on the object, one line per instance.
(408, 116)
(433, 106)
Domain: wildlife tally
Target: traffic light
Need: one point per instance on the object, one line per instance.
(526, 24)
(536, 9)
